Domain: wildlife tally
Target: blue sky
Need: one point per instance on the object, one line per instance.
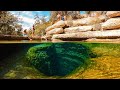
(27, 17)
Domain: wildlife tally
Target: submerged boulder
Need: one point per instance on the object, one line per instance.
(58, 58)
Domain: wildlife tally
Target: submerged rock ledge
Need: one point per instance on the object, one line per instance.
(58, 58)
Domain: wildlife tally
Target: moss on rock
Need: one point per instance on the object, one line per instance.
(58, 58)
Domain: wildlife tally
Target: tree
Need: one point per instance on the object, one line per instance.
(43, 19)
(53, 15)
(30, 32)
(73, 14)
(18, 29)
(7, 23)
(37, 19)
(40, 25)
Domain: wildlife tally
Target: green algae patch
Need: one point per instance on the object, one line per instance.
(58, 59)
(106, 64)
(64, 61)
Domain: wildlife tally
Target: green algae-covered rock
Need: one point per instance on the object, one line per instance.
(58, 58)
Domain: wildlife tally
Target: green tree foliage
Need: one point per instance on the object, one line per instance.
(9, 24)
(40, 25)
(53, 15)
(30, 32)
(18, 29)
(73, 14)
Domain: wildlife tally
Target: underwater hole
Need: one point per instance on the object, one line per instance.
(58, 59)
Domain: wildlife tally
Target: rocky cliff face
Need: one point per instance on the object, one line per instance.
(99, 24)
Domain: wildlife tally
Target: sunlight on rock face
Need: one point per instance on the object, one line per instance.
(58, 58)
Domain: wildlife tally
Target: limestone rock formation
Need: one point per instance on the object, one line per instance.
(90, 25)
(78, 29)
(103, 18)
(55, 31)
(112, 23)
(112, 14)
(95, 13)
(46, 37)
(59, 24)
(89, 21)
(84, 15)
(88, 34)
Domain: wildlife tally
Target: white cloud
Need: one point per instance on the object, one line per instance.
(28, 17)
(28, 20)
(26, 27)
